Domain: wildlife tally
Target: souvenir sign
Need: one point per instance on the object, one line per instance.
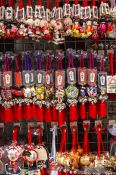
(102, 79)
(7, 79)
(26, 78)
(76, 10)
(88, 12)
(39, 77)
(48, 78)
(111, 84)
(59, 13)
(71, 76)
(29, 12)
(31, 155)
(59, 79)
(67, 10)
(9, 13)
(2, 10)
(95, 12)
(18, 79)
(92, 77)
(82, 76)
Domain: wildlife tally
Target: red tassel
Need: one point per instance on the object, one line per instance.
(54, 114)
(43, 172)
(2, 113)
(82, 111)
(19, 115)
(8, 115)
(61, 118)
(66, 173)
(92, 110)
(102, 109)
(73, 113)
(28, 112)
(48, 115)
(33, 108)
(15, 112)
(40, 113)
(60, 172)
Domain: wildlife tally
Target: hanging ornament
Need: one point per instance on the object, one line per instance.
(17, 92)
(49, 88)
(102, 86)
(2, 13)
(92, 89)
(6, 91)
(82, 80)
(72, 91)
(60, 92)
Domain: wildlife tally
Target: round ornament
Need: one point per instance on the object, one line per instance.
(92, 91)
(72, 92)
(30, 155)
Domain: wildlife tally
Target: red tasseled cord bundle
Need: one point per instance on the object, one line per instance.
(102, 109)
(82, 111)
(48, 114)
(61, 118)
(73, 114)
(39, 113)
(8, 115)
(34, 112)
(92, 110)
(54, 114)
(27, 112)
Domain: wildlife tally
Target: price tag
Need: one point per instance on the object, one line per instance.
(82, 76)
(26, 78)
(59, 13)
(102, 79)
(48, 78)
(71, 76)
(67, 10)
(29, 12)
(9, 13)
(59, 79)
(2, 11)
(111, 84)
(76, 10)
(92, 77)
(39, 77)
(7, 79)
(94, 12)
(18, 79)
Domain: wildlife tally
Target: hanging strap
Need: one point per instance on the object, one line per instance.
(15, 134)
(27, 62)
(93, 3)
(21, 5)
(82, 60)
(11, 3)
(63, 140)
(30, 3)
(111, 55)
(70, 61)
(57, 3)
(91, 60)
(76, 2)
(30, 136)
(99, 130)
(85, 3)
(48, 63)
(85, 139)
(102, 64)
(39, 135)
(59, 67)
(39, 62)
(66, 1)
(48, 4)
(17, 64)
(39, 2)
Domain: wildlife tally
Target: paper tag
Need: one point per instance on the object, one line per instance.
(102, 79)
(26, 78)
(59, 78)
(92, 77)
(18, 79)
(9, 13)
(2, 11)
(7, 79)
(36, 13)
(53, 13)
(102, 9)
(87, 12)
(107, 9)
(94, 12)
(67, 10)
(98, 122)
(48, 14)
(48, 78)
(29, 12)
(76, 10)
(111, 122)
(41, 12)
(71, 76)
(73, 124)
(20, 14)
(111, 84)
(82, 76)
(83, 13)
(39, 77)
(59, 13)
(32, 81)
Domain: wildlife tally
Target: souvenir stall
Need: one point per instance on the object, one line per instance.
(57, 87)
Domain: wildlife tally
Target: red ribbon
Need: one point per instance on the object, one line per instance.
(63, 139)
(85, 3)
(30, 136)
(43, 171)
(92, 110)
(85, 139)
(39, 2)
(27, 112)
(76, 2)
(21, 4)
(111, 55)
(73, 114)
(48, 4)
(102, 109)
(82, 110)
(34, 111)
(61, 118)
(40, 113)
(67, 1)
(99, 130)
(8, 115)
(15, 134)
(57, 3)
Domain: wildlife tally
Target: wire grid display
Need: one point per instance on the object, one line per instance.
(22, 45)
